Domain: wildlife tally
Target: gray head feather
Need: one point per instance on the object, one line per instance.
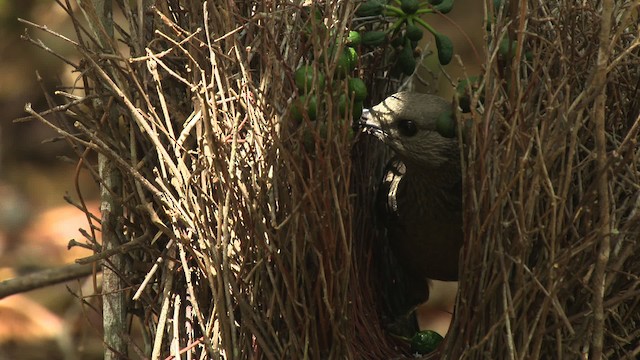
(406, 121)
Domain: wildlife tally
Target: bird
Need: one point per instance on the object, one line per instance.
(420, 198)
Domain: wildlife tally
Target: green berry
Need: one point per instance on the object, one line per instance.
(301, 106)
(303, 78)
(406, 61)
(425, 341)
(507, 48)
(398, 40)
(343, 106)
(370, 8)
(343, 67)
(358, 88)
(374, 38)
(354, 38)
(409, 6)
(358, 106)
(352, 55)
(445, 48)
(446, 124)
(414, 33)
(444, 6)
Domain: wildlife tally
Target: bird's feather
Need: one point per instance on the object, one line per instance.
(419, 201)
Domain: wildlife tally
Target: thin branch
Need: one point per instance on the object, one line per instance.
(44, 278)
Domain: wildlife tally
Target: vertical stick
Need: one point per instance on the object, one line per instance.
(114, 309)
(604, 231)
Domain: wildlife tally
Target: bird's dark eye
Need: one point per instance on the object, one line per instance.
(407, 127)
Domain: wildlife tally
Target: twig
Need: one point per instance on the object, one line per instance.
(604, 225)
(44, 278)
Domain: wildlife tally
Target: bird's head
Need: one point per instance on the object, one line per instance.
(407, 122)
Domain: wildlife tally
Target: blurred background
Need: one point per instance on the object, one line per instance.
(36, 224)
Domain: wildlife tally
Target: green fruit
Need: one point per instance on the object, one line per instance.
(414, 33)
(354, 38)
(409, 6)
(465, 104)
(396, 70)
(343, 106)
(352, 55)
(446, 124)
(463, 85)
(314, 25)
(507, 48)
(490, 23)
(301, 104)
(296, 114)
(370, 8)
(435, 2)
(406, 61)
(374, 38)
(357, 110)
(528, 55)
(397, 40)
(445, 48)
(358, 88)
(425, 341)
(444, 7)
(303, 78)
(343, 67)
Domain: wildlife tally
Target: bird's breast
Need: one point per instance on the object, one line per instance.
(428, 230)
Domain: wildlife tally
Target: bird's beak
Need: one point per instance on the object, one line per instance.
(369, 123)
(366, 115)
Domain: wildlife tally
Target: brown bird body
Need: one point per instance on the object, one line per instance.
(422, 187)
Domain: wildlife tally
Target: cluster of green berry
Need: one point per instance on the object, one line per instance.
(305, 77)
(406, 29)
(381, 23)
(327, 84)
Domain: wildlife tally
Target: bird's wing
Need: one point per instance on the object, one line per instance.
(402, 290)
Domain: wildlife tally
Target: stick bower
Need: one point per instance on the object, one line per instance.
(244, 234)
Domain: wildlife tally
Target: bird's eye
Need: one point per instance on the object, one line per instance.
(407, 127)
